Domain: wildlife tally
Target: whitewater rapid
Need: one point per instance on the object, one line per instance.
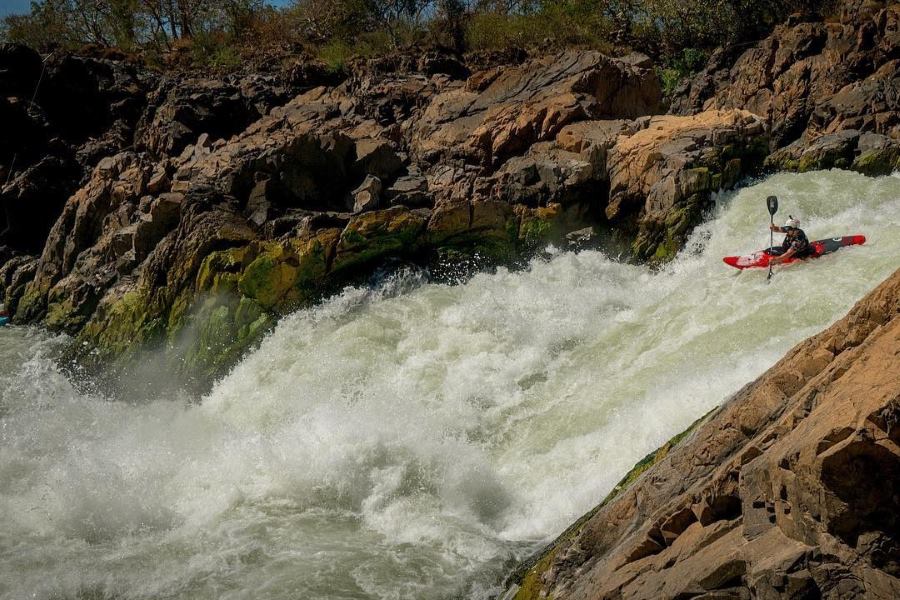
(414, 440)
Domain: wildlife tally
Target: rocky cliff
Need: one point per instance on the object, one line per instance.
(828, 90)
(189, 212)
(789, 490)
(234, 205)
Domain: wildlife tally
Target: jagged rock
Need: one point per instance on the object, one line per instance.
(663, 174)
(83, 109)
(368, 195)
(259, 204)
(32, 201)
(81, 237)
(811, 77)
(377, 157)
(795, 494)
(15, 273)
(532, 103)
(410, 190)
(182, 111)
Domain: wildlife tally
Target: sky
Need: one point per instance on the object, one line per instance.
(9, 7)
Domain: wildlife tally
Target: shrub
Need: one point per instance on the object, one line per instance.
(677, 68)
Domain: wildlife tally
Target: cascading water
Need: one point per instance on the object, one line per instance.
(413, 443)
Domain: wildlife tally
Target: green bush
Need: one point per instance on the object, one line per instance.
(223, 33)
(336, 54)
(680, 66)
(554, 24)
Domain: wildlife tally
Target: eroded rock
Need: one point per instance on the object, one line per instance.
(796, 495)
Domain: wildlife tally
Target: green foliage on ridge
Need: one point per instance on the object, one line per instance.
(224, 33)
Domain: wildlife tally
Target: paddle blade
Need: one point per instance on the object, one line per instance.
(772, 204)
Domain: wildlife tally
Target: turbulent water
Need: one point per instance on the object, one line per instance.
(411, 441)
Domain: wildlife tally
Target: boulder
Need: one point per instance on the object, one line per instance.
(373, 235)
(869, 153)
(662, 176)
(368, 195)
(259, 204)
(377, 157)
(409, 190)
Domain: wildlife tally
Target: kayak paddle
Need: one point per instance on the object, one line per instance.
(772, 204)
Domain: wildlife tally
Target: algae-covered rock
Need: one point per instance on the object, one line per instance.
(218, 332)
(883, 161)
(123, 322)
(376, 234)
(540, 226)
(868, 153)
(283, 275)
(662, 176)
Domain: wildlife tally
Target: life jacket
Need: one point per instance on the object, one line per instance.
(795, 238)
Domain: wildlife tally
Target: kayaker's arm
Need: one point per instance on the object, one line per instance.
(783, 257)
(776, 228)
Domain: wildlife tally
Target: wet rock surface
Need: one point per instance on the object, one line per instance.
(789, 490)
(118, 221)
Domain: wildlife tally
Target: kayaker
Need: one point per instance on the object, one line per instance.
(795, 243)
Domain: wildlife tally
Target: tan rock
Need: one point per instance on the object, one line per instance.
(663, 174)
(501, 116)
(811, 78)
(789, 490)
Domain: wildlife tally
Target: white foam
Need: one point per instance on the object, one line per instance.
(405, 442)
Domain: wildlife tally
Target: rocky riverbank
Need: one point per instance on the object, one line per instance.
(790, 490)
(189, 213)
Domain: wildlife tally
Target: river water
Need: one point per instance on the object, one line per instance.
(412, 441)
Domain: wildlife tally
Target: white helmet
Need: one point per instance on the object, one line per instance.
(792, 222)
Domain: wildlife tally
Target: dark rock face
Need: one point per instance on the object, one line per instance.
(61, 115)
(790, 490)
(180, 111)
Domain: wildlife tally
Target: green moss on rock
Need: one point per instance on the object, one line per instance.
(878, 162)
(374, 235)
(121, 326)
(218, 332)
(270, 279)
(61, 315)
(530, 585)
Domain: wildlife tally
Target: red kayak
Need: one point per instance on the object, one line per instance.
(819, 247)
